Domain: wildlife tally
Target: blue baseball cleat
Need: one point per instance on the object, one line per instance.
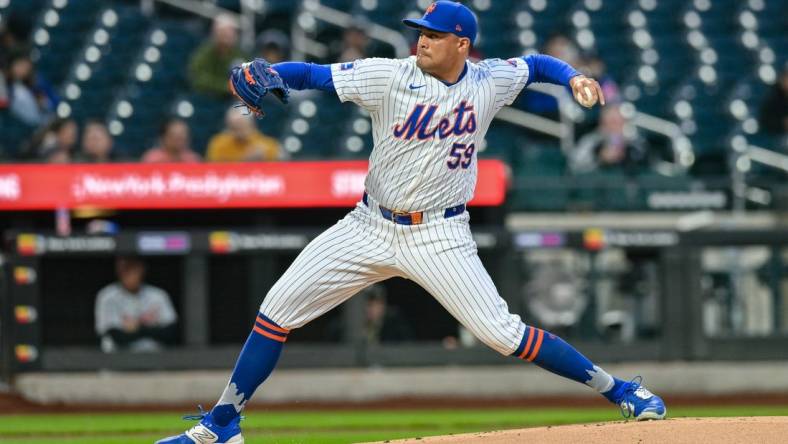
(640, 403)
(206, 432)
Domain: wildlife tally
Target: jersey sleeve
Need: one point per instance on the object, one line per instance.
(165, 310)
(107, 315)
(510, 77)
(364, 82)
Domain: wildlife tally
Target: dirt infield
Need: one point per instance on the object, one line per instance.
(761, 430)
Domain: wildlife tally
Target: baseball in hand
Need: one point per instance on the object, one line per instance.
(585, 97)
(587, 92)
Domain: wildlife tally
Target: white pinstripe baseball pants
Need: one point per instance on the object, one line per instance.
(364, 248)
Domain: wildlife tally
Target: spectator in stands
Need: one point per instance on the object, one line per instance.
(241, 141)
(614, 144)
(354, 43)
(774, 109)
(133, 315)
(96, 144)
(274, 46)
(173, 146)
(56, 142)
(4, 96)
(13, 32)
(595, 67)
(561, 47)
(7, 46)
(32, 99)
(211, 62)
(383, 323)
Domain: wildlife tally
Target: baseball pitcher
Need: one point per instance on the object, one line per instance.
(429, 112)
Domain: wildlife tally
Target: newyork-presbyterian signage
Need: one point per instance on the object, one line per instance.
(233, 185)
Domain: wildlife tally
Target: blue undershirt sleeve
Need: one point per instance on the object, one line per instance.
(548, 69)
(300, 75)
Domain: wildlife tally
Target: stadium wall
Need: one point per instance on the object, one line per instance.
(376, 384)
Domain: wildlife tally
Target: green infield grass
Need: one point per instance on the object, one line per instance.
(322, 427)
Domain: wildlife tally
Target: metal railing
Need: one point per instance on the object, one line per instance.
(744, 154)
(570, 113)
(244, 20)
(767, 157)
(563, 129)
(312, 9)
(681, 146)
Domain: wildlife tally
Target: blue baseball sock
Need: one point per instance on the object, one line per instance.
(256, 361)
(555, 355)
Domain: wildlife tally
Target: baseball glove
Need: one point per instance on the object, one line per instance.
(251, 81)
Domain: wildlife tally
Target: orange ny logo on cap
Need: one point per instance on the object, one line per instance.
(430, 8)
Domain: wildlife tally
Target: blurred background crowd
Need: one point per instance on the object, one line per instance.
(106, 81)
(697, 112)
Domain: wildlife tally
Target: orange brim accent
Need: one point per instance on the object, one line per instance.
(272, 326)
(269, 335)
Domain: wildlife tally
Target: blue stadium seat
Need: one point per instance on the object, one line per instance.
(356, 140)
(605, 190)
(504, 141)
(540, 185)
(118, 79)
(205, 120)
(386, 13)
(60, 33)
(15, 133)
(108, 53)
(342, 5)
(155, 83)
(650, 182)
(25, 10)
(311, 129)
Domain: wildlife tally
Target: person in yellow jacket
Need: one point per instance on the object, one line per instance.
(241, 141)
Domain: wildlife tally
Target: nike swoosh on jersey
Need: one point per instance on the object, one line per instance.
(412, 86)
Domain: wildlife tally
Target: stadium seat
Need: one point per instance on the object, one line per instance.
(504, 142)
(59, 33)
(134, 83)
(154, 84)
(605, 190)
(15, 133)
(540, 184)
(104, 61)
(356, 142)
(308, 134)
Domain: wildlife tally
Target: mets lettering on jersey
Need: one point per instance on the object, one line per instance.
(424, 161)
(425, 132)
(419, 121)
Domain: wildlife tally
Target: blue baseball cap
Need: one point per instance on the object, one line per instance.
(447, 16)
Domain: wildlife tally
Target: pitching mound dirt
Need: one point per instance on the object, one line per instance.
(761, 430)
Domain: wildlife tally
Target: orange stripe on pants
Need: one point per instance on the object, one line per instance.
(530, 331)
(272, 326)
(269, 335)
(537, 346)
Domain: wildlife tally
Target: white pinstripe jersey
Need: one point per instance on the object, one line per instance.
(426, 133)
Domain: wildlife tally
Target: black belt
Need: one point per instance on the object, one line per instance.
(414, 217)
